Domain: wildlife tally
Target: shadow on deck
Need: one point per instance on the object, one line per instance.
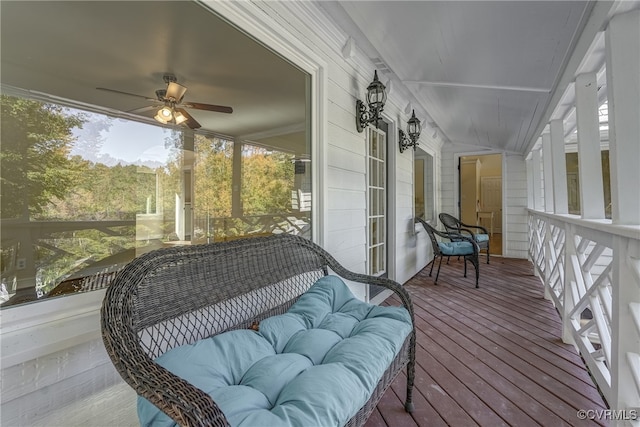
(490, 356)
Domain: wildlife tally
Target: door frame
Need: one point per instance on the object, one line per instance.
(456, 183)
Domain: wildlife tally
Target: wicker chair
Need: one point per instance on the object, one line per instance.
(179, 295)
(453, 224)
(457, 245)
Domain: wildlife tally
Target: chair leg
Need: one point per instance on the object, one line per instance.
(487, 252)
(411, 373)
(438, 273)
(476, 264)
(448, 258)
(465, 266)
(433, 261)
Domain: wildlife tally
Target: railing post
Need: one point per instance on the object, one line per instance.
(570, 252)
(548, 261)
(625, 336)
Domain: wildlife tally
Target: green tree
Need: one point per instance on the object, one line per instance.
(267, 181)
(36, 139)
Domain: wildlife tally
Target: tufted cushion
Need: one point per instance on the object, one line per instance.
(316, 365)
(455, 248)
(481, 237)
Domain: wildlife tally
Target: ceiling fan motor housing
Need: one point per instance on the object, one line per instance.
(161, 94)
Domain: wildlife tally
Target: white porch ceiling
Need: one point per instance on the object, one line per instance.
(483, 71)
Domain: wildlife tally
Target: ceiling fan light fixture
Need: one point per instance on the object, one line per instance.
(166, 113)
(160, 119)
(175, 91)
(179, 117)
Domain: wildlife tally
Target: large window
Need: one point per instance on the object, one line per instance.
(84, 193)
(424, 200)
(93, 176)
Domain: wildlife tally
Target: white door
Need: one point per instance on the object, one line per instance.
(491, 201)
(377, 201)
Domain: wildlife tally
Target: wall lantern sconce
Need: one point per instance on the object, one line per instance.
(376, 97)
(410, 139)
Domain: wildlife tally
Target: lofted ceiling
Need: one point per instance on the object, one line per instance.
(483, 71)
(68, 49)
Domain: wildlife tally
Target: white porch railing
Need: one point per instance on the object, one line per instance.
(591, 272)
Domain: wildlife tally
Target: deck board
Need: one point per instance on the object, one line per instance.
(490, 356)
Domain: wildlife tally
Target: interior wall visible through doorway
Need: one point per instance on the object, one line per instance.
(481, 194)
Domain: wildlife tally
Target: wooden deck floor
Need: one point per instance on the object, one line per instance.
(490, 356)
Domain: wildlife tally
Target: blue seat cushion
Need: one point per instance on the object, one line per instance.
(481, 238)
(455, 248)
(315, 365)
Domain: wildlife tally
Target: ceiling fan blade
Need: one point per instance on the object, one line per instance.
(125, 93)
(208, 107)
(175, 91)
(191, 122)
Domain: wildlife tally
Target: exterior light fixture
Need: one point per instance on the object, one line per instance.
(410, 139)
(376, 97)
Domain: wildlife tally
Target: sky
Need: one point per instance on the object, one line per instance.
(132, 141)
(126, 140)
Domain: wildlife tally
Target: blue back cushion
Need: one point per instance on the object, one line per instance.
(481, 237)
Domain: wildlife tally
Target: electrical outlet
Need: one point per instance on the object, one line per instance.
(21, 263)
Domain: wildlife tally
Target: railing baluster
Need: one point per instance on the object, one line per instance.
(584, 265)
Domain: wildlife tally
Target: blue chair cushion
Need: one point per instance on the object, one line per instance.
(315, 365)
(455, 248)
(481, 238)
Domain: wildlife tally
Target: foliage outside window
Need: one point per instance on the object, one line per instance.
(83, 193)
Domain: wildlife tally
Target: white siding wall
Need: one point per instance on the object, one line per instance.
(76, 385)
(515, 204)
(448, 186)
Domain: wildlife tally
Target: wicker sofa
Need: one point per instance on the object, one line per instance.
(177, 301)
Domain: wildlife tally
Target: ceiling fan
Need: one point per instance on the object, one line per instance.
(169, 105)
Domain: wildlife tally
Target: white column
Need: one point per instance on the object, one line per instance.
(547, 170)
(589, 155)
(537, 181)
(559, 161)
(622, 45)
(529, 165)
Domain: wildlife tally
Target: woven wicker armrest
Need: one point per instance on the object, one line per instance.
(175, 296)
